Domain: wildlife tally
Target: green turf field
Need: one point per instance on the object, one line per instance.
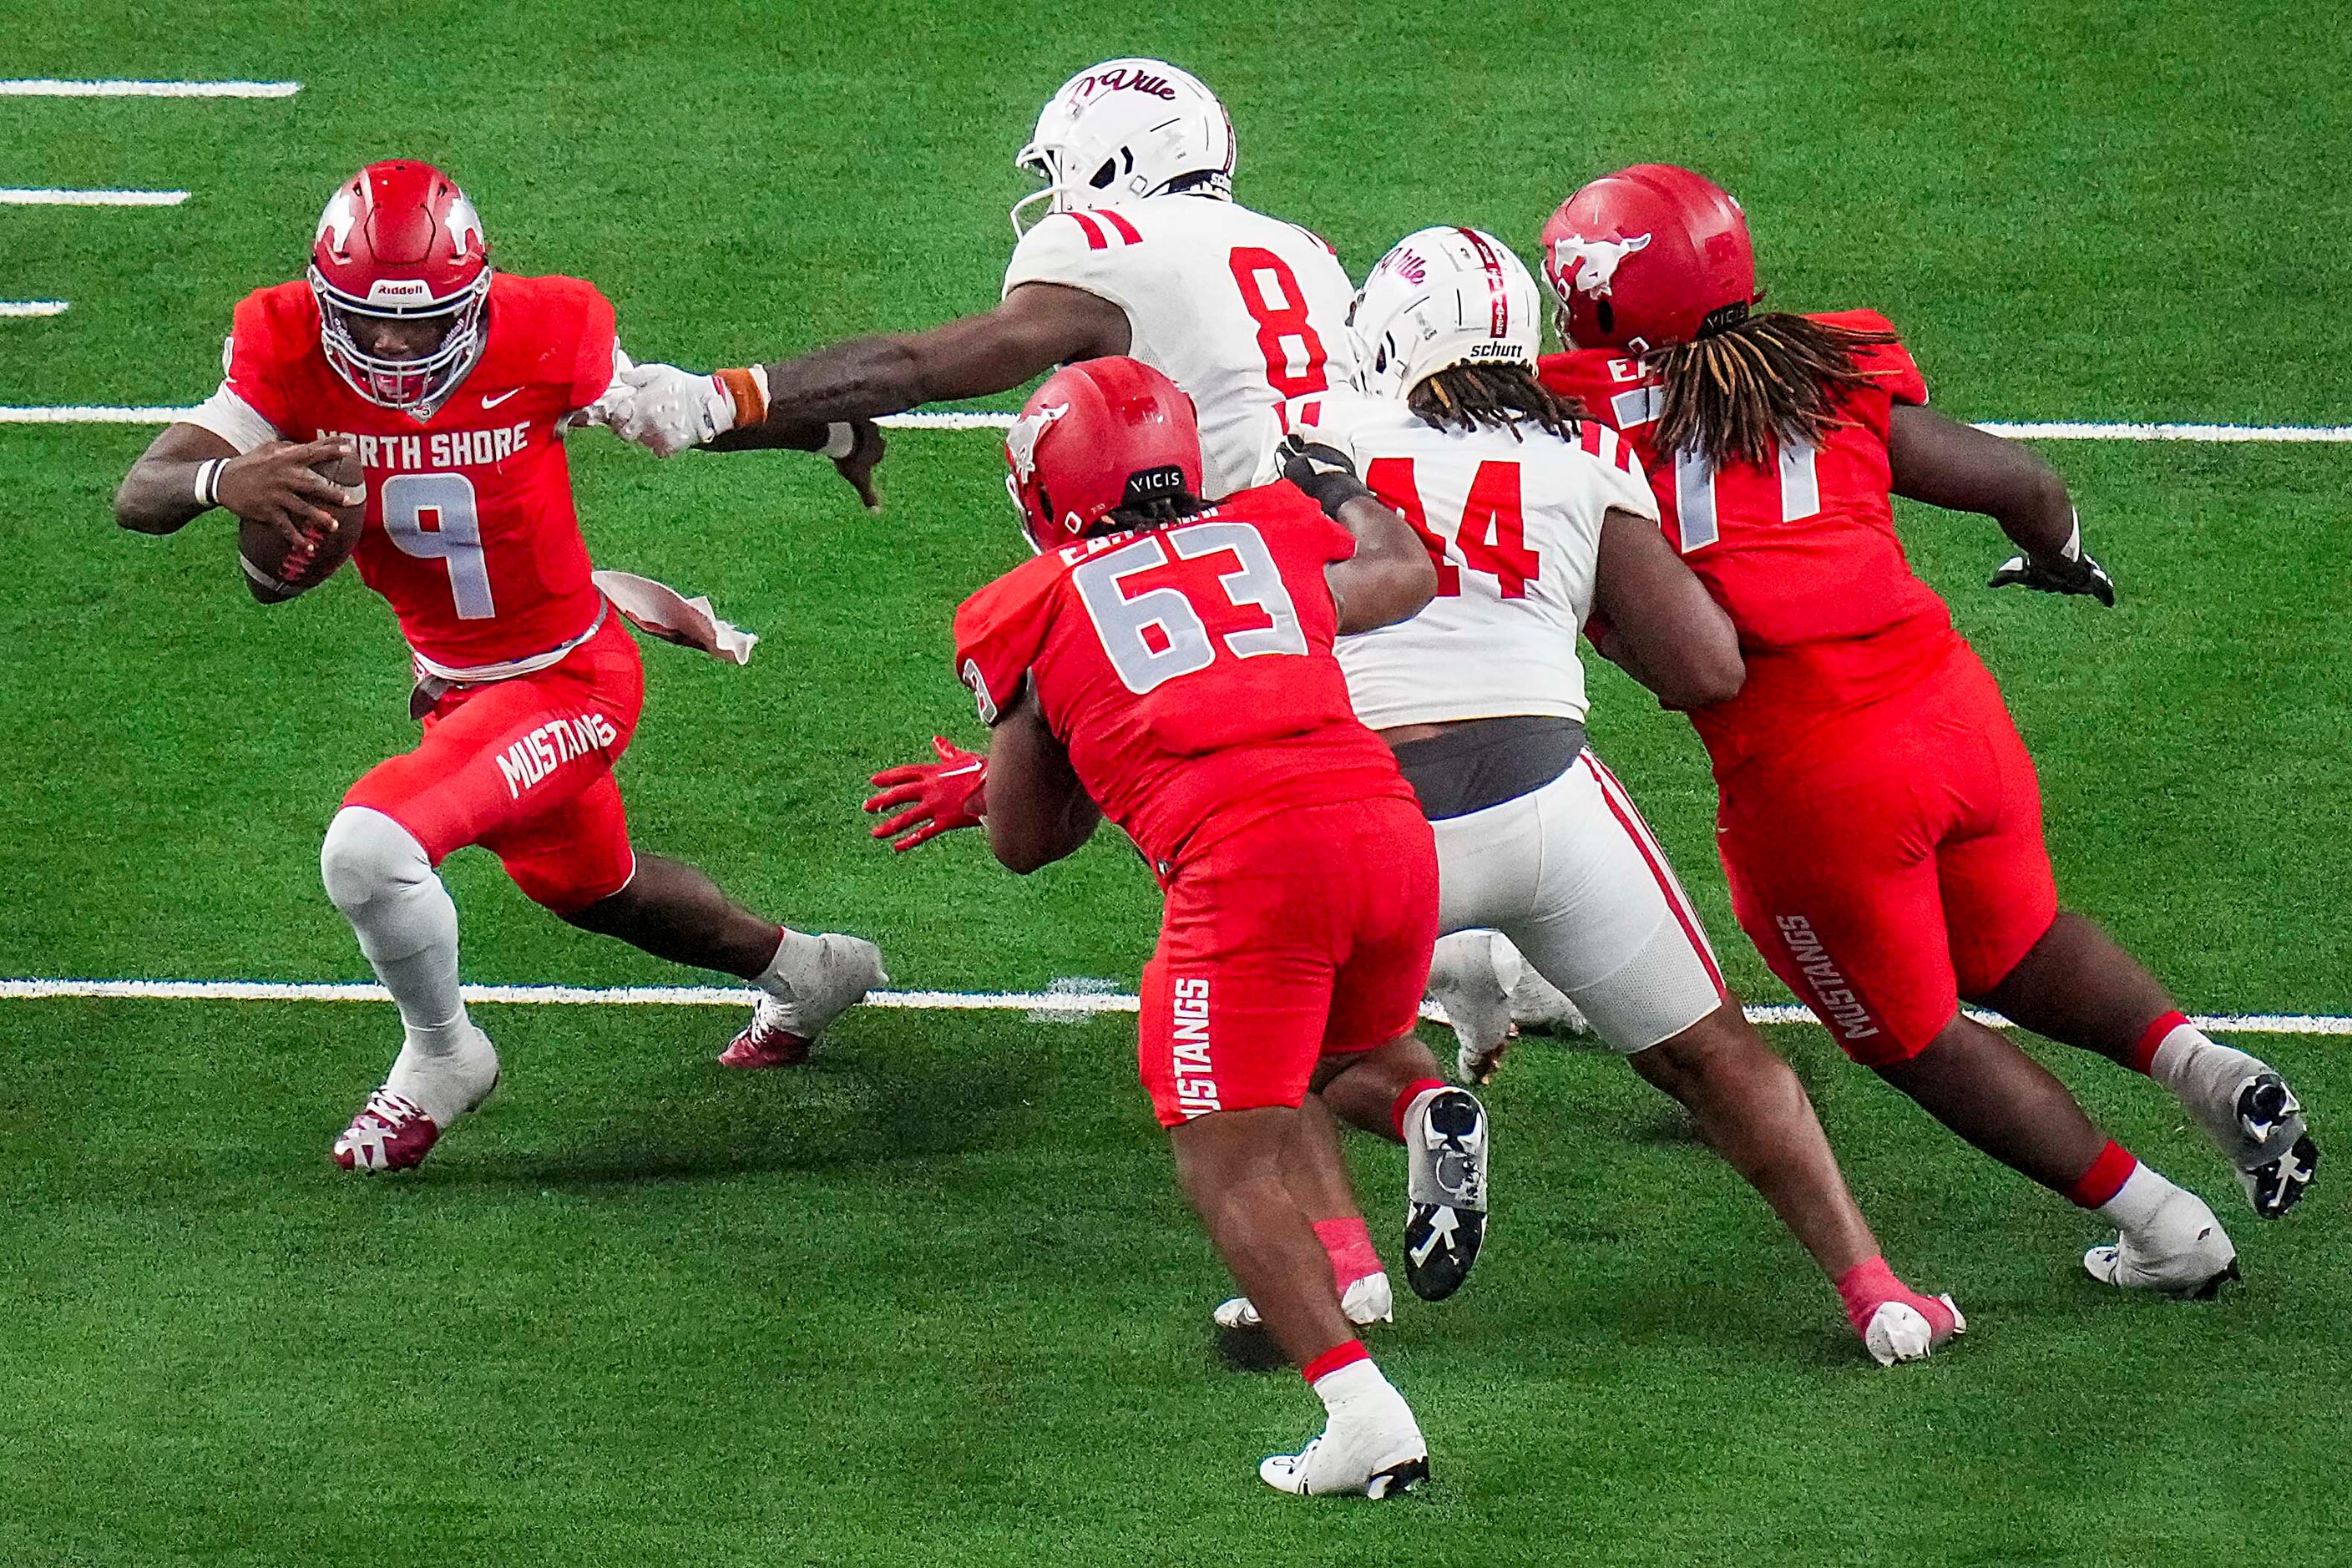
(935, 1299)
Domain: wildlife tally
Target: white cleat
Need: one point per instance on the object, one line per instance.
(2182, 1253)
(1369, 1300)
(781, 1032)
(1445, 1190)
(2265, 1138)
(1899, 1331)
(1365, 1458)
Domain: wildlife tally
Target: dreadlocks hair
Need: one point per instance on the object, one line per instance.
(1490, 396)
(1753, 377)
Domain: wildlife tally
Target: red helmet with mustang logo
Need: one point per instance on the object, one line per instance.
(1098, 435)
(400, 242)
(1647, 257)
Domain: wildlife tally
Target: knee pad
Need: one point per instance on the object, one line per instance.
(368, 856)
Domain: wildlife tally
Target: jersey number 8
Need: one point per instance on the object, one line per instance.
(1271, 295)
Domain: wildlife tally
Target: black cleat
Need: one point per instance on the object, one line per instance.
(1446, 1217)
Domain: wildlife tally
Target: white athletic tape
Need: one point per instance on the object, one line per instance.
(32, 308)
(23, 196)
(1068, 997)
(988, 420)
(51, 87)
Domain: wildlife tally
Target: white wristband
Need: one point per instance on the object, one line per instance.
(840, 440)
(207, 484)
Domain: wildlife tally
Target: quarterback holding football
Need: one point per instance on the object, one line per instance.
(451, 384)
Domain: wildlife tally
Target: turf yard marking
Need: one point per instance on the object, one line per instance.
(989, 419)
(11, 308)
(49, 197)
(51, 87)
(1066, 1000)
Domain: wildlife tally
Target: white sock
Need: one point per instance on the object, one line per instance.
(793, 973)
(2205, 1075)
(1355, 1388)
(379, 876)
(2138, 1202)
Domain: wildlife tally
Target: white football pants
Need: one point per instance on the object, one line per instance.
(1571, 875)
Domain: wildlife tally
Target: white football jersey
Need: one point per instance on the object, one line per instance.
(1240, 309)
(1515, 527)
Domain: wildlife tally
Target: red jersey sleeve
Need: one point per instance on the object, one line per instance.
(272, 327)
(592, 371)
(1000, 630)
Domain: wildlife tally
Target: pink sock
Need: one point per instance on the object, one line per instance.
(1348, 1244)
(1406, 1096)
(1870, 1285)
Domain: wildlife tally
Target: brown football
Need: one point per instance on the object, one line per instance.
(262, 552)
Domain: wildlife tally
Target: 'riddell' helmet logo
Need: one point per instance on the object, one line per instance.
(1132, 80)
(1591, 264)
(1021, 441)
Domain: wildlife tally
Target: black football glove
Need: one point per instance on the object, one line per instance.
(2057, 575)
(1327, 474)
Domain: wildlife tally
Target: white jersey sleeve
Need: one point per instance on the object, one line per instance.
(1513, 523)
(229, 416)
(1240, 309)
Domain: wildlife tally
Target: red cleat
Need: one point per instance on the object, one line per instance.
(765, 1042)
(390, 1133)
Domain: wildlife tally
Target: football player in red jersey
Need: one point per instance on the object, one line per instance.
(1880, 820)
(453, 384)
(1169, 665)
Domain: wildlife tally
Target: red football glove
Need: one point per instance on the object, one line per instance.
(938, 797)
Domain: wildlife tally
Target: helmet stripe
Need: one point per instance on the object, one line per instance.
(1497, 291)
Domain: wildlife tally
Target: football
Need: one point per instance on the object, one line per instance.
(261, 550)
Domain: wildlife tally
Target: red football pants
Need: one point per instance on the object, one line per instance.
(1894, 863)
(1302, 935)
(524, 768)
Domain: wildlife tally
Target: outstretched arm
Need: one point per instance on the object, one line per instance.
(1657, 619)
(1946, 463)
(1038, 812)
(1037, 327)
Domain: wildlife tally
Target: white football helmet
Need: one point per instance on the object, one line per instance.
(1123, 129)
(1440, 298)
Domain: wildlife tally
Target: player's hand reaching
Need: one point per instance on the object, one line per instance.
(2078, 573)
(935, 797)
(665, 410)
(856, 448)
(276, 485)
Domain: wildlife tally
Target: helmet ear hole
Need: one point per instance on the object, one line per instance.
(1607, 316)
(1106, 175)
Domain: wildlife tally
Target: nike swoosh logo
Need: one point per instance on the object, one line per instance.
(489, 401)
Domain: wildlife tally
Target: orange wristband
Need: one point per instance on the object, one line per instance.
(750, 398)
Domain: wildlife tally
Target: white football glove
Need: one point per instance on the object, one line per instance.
(665, 410)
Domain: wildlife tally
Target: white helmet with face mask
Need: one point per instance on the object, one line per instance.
(1440, 298)
(1124, 130)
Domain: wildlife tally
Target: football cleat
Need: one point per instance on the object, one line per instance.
(1899, 1331)
(1445, 1187)
(2183, 1253)
(390, 1133)
(2276, 1156)
(781, 1032)
(1374, 1454)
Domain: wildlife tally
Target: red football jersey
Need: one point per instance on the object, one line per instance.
(470, 530)
(1801, 552)
(1188, 670)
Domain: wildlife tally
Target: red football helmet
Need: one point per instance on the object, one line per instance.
(1648, 257)
(1098, 435)
(400, 242)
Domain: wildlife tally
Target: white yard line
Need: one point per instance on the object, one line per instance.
(1068, 999)
(989, 419)
(49, 197)
(51, 87)
(20, 308)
